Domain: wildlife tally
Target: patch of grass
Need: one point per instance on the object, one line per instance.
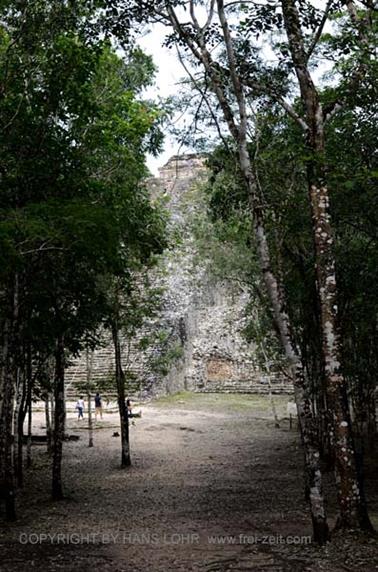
(174, 399)
(232, 402)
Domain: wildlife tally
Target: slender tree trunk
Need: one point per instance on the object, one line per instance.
(52, 408)
(59, 421)
(89, 358)
(372, 418)
(9, 380)
(4, 380)
(273, 405)
(364, 409)
(7, 484)
(90, 419)
(325, 433)
(30, 423)
(123, 414)
(25, 409)
(48, 425)
(20, 415)
(29, 406)
(271, 398)
(18, 426)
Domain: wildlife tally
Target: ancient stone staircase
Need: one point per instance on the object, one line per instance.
(202, 316)
(243, 387)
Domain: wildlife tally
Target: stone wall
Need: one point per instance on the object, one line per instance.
(200, 320)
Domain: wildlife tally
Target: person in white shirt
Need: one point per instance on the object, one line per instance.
(80, 408)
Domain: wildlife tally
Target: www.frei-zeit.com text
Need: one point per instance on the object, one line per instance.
(159, 539)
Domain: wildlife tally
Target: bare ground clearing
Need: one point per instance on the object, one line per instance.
(214, 486)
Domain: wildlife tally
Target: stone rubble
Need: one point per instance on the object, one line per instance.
(198, 331)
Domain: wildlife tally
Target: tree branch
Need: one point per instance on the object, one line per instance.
(203, 94)
(202, 55)
(319, 31)
(359, 73)
(269, 91)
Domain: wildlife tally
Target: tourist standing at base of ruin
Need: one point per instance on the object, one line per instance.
(98, 405)
(80, 408)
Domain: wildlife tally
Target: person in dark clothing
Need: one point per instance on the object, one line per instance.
(98, 405)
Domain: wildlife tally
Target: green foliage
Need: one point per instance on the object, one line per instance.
(280, 167)
(352, 153)
(74, 211)
(167, 356)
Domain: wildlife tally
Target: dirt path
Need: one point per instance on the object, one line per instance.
(213, 487)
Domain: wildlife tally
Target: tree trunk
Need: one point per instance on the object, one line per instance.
(27, 402)
(123, 414)
(7, 485)
(18, 426)
(52, 408)
(30, 421)
(59, 420)
(326, 441)
(8, 381)
(372, 419)
(273, 405)
(90, 420)
(353, 511)
(48, 424)
(364, 409)
(89, 358)
(271, 398)
(307, 422)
